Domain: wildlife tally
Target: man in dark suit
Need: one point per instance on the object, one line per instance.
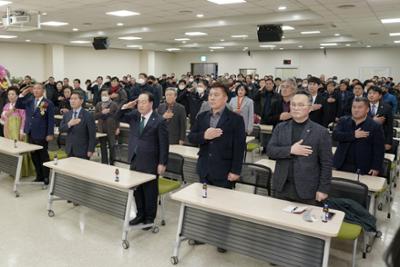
(39, 126)
(80, 127)
(361, 141)
(175, 116)
(220, 133)
(318, 101)
(381, 113)
(303, 154)
(147, 151)
(331, 106)
(345, 98)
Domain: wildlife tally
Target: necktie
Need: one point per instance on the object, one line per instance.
(36, 102)
(141, 125)
(75, 114)
(373, 110)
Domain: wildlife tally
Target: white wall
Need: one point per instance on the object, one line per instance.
(165, 63)
(87, 63)
(340, 62)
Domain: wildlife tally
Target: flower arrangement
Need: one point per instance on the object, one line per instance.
(43, 107)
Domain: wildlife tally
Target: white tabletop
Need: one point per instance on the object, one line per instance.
(58, 117)
(100, 173)
(256, 208)
(374, 183)
(185, 151)
(7, 147)
(388, 156)
(250, 138)
(98, 135)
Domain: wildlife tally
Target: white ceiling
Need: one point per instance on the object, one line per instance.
(161, 21)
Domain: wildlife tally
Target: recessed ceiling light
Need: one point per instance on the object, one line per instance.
(281, 48)
(387, 21)
(4, 3)
(300, 46)
(222, 40)
(397, 42)
(8, 36)
(122, 13)
(130, 38)
(44, 14)
(195, 33)
(311, 32)
(211, 50)
(329, 44)
(135, 46)
(321, 47)
(245, 48)
(282, 8)
(80, 42)
(28, 41)
(54, 23)
(200, 15)
(183, 42)
(226, 2)
(337, 34)
(283, 36)
(120, 24)
(348, 45)
(394, 34)
(239, 36)
(75, 29)
(182, 39)
(368, 46)
(267, 46)
(172, 49)
(287, 28)
(216, 47)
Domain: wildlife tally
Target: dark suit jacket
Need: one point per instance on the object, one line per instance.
(312, 173)
(177, 124)
(344, 106)
(149, 148)
(221, 155)
(369, 151)
(318, 115)
(81, 138)
(37, 124)
(272, 117)
(385, 110)
(330, 109)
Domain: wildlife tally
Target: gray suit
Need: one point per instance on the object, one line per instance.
(81, 138)
(177, 124)
(246, 110)
(312, 173)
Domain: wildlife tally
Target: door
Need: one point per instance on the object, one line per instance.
(204, 68)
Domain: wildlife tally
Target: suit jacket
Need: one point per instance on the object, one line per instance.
(272, 117)
(149, 148)
(330, 109)
(39, 120)
(221, 155)
(177, 124)
(106, 123)
(81, 138)
(311, 174)
(318, 115)
(369, 151)
(246, 111)
(344, 106)
(385, 110)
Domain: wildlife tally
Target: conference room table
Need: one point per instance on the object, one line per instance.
(254, 225)
(94, 185)
(11, 157)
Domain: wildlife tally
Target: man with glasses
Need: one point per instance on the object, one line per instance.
(303, 153)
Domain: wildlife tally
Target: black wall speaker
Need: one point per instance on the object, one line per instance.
(100, 43)
(269, 33)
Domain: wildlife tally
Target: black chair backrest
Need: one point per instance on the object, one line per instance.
(258, 176)
(256, 132)
(386, 169)
(174, 168)
(394, 133)
(395, 123)
(343, 188)
(395, 146)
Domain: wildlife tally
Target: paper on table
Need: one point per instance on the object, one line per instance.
(295, 209)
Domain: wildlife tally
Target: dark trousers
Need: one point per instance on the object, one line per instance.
(146, 196)
(72, 154)
(289, 193)
(220, 183)
(39, 157)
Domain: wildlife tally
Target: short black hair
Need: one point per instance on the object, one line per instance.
(314, 79)
(115, 78)
(308, 95)
(277, 78)
(269, 79)
(79, 94)
(143, 74)
(150, 95)
(221, 86)
(360, 84)
(182, 81)
(242, 86)
(376, 89)
(331, 82)
(77, 80)
(100, 77)
(152, 78)
(13, 88)
(362, 99)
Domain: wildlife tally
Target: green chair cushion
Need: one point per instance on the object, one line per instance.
(167, 185)
(349, 231)
(252, 146)
(60, 154)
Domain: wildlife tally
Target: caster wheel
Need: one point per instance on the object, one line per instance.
(163, 222)
(17, 194)
(191, 242)
(380, 206)
(378, 234)
(51, 213)
(125, 244)
(174, 260)
(364, 255)
(388, 216)
(155, 230)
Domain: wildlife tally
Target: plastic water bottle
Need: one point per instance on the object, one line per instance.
(325, 215)
(358, 175)
(204, 191)
(55, 159)
(15, 143)
(116, 175)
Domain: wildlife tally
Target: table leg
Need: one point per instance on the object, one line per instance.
(129, 204)
(178, 240)
(18, 175)
(326, 252)
(50, 195)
